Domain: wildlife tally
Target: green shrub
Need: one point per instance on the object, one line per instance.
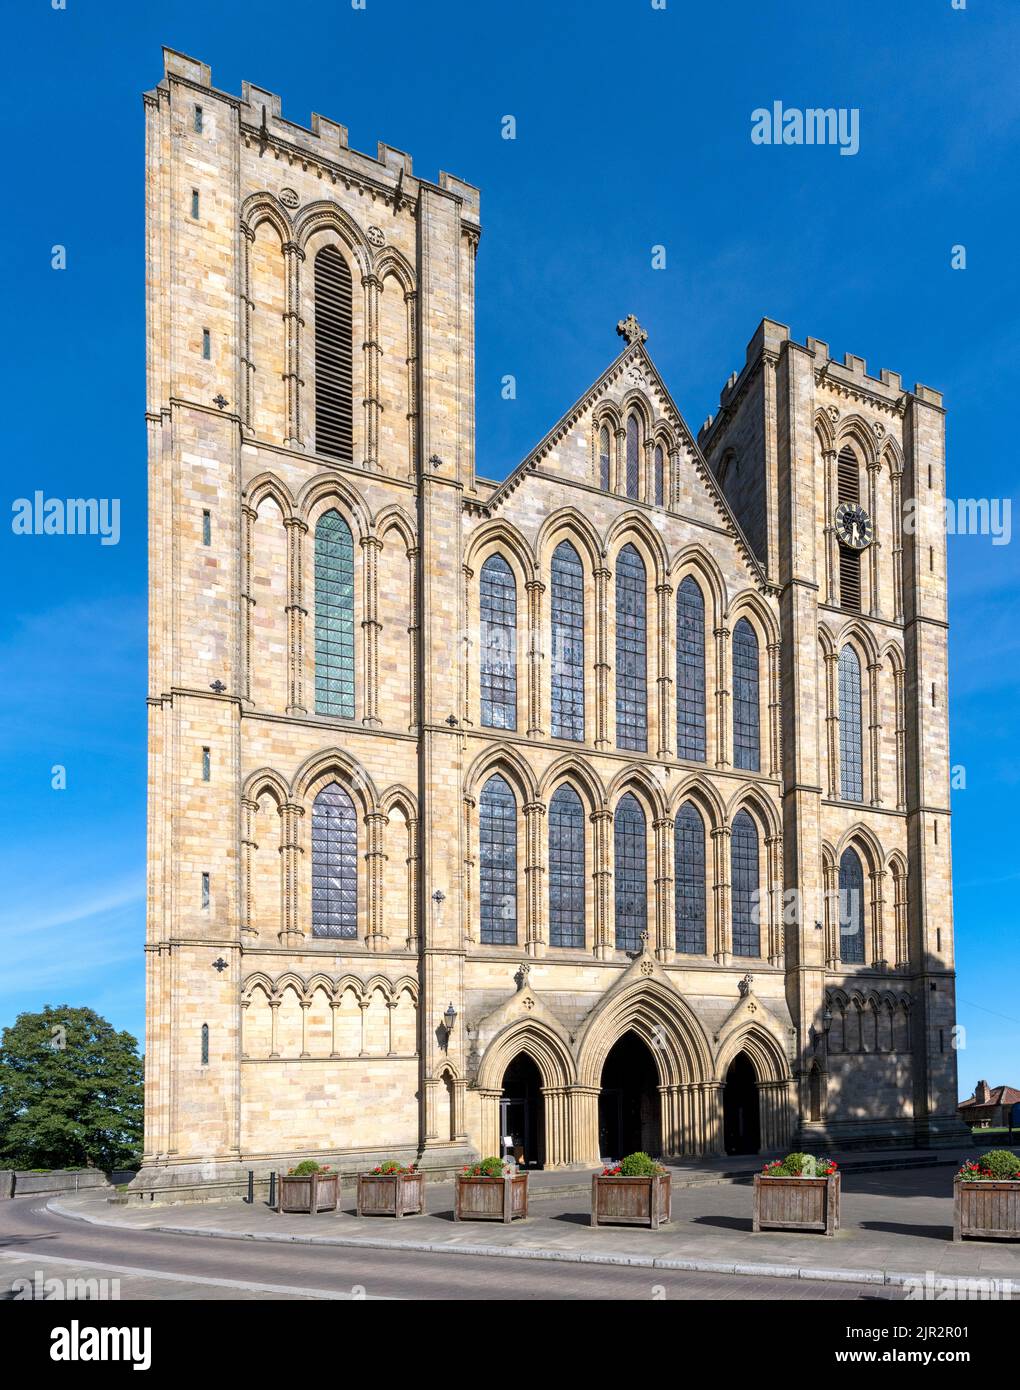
(794, 1164)
(305, 1168)
(1002, 1164)
(639, 1165)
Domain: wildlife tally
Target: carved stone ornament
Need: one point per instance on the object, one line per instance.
(376, 236)
(289, 197)
(630, 329)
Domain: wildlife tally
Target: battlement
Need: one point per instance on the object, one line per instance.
(772, 338)
(261, 110)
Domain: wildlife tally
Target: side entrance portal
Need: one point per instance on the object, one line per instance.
(741, 1118)
(522, 1113)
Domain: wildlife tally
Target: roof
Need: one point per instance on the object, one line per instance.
(997, 1095)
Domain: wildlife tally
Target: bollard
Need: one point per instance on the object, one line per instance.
(272, 1189)
(251, 1186)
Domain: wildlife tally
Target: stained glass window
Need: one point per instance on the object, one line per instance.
(631, 649)
(689, 880)
(851, 761)
(851, 907)
(633, 447)
(497, 850)
(567, 643)
(499, 644)
(746, 738)
(334, 617)
(690, 671)
(566, 868)
(604, 458)
(631, 878)
(334, 864)
(744, 887)
(660, 471)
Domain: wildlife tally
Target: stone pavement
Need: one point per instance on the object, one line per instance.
(896, 1226)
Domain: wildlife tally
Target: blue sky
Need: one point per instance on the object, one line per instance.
(633, 130)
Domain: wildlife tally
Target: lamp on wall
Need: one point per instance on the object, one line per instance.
(449, 1019)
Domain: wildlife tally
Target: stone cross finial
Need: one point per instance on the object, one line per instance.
(523, 972)
(630, 329)
(745, 986)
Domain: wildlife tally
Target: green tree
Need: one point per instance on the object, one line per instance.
(70, 1092)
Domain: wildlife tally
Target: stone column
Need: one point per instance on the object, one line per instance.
(371, 627)
(248, 519)
(471, 930)
(665, 933)
(583, 1115)
(364, 1005)
(412, 884)
(602, 583)
(832, 722)
(293, 323)
(902, 957)
(334, 1010)
(534, 874)
(832, 909)
(247, 350)
(376, 934)
(901, 740)
(535, 589)
(410, 299)
(557, 1126)
(306, 1004)
(412, 638)
(874, 549)
(618, 481)
(723, 944)
(722, 696)
(776, 925)
(673, 489)
(603, 880)
(372, 355)
(875, 731)
(775, 713)
(292, 931)
(489, 1121)
(274, 1027)
(663, 593)
(671, 1116)
(296, 615)
(249, 812)
(897, 545)
(831, 551)
(879, 955)
(470, 628)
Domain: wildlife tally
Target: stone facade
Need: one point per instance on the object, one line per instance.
(267, 1042)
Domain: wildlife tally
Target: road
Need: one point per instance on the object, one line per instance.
(38, 1245)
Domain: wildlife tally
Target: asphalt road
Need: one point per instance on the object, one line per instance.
(37, 1245)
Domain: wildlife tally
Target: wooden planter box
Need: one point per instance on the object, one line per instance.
(796, 1204)
(989, 1210)
(391, 1194)
(631, 1201)
(491, 1199)
(316, 1192)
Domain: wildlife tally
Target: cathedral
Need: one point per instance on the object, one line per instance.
(601, 808)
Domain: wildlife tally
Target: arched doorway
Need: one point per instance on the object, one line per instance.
(629, 1100)
(522, 1113)
(741, 1119)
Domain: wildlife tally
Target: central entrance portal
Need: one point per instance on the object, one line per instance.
(741, 1123)
(521, 1127)
(629, 1101)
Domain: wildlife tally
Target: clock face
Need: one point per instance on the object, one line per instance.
(853, 525)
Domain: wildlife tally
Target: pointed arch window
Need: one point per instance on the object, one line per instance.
(334, 356)
(660, 476)
(631, 876)
(497, 857)
(851, 908)
(633, 452)
(498, 610)
(851, 756)
(746, 733)
(631, 651)
(690, 671)
(566, 868)
(745, 894)
(334, 616)
(567, 576)
(604, 457)
(334, 864)
(689, 880)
